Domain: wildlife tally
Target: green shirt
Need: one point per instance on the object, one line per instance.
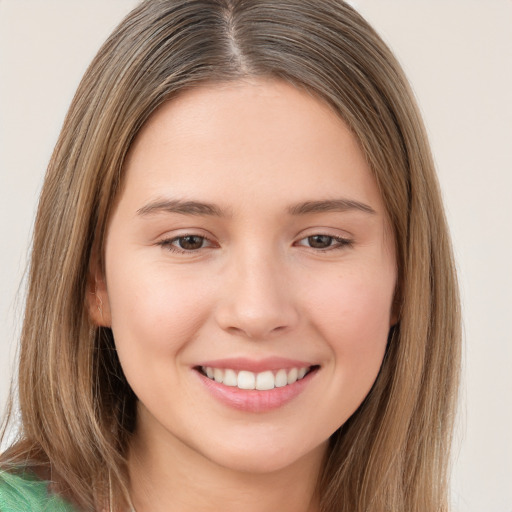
(25, 493)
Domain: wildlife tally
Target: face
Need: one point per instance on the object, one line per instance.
(249, 275)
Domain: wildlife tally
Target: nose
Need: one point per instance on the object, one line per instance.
(257, 298)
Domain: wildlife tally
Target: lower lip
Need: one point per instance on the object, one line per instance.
(250, 400)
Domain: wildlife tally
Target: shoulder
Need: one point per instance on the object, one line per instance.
(23, 491)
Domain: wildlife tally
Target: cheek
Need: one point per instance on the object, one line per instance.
(153, 310)
(353, 314)
(154, 318)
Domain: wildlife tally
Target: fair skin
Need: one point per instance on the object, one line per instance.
(249, 236)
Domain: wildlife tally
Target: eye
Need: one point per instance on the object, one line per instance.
(190, 242)
(324, 242)
(185, 243)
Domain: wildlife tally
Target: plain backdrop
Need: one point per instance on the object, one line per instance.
(458, 56)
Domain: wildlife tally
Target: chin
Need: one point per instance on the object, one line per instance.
(261, 459)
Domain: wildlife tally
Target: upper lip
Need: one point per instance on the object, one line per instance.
(256, 365)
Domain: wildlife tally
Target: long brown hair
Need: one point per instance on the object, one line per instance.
(77, 410)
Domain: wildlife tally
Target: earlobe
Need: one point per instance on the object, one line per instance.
(97, 297)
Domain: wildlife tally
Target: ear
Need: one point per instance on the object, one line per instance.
(97, 294)
(394, 317)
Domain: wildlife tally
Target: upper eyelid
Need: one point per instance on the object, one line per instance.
(335, 232)
(169, 245)
(211, 238)
(343, 241)
(330, 232)
(334, 237)
(171, 239)
(169, 235)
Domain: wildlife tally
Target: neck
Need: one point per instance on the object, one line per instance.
(165, 474)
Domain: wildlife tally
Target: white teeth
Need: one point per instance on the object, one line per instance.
(261, 381)
(246, 380)
(293, 375)
(230, 378)
(302, 372)
(218, 375)
(281, 378)
(265, 380)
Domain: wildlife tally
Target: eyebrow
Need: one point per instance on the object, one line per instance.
(182, 207)
(329, 205)
(209, 209)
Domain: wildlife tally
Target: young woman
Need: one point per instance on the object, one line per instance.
(242, 292)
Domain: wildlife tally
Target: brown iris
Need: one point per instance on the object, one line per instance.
(320, 241)
(190, 242)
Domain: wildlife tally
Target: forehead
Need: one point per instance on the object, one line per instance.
(258, 135)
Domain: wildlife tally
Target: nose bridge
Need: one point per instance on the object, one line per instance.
(258, 301)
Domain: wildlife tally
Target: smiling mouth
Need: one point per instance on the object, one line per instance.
(261, 381)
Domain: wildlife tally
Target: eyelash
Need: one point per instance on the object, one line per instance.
(339, 243)
(168, 244)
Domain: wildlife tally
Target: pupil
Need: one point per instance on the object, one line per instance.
(320, 241)
(191, 242)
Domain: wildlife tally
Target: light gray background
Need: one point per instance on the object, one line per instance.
(458, 55)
